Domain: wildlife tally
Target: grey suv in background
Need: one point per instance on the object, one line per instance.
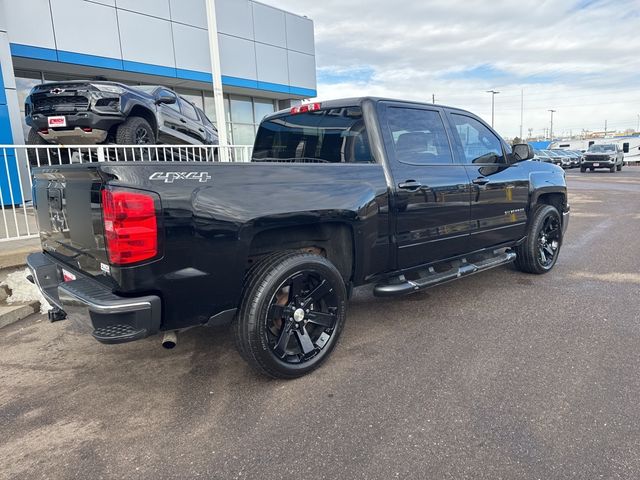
(607, 155)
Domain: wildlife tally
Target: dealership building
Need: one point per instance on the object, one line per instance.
(267, 55)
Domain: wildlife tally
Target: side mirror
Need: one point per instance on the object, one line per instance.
(166, 99)
(521, 152)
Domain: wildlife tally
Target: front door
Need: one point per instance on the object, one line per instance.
(500, 191)
(432, 191)
(170, 121)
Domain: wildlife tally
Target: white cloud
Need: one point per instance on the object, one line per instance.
(579, 57)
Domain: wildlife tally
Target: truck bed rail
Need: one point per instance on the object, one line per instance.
(17, 216)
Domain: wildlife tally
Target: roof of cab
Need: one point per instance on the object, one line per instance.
(357, 101)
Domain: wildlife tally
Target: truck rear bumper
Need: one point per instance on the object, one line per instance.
(114, 319)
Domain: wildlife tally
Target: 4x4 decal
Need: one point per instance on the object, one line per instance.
(170, 177)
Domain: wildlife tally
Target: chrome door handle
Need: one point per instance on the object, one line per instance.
(410, 185)
(480, 181)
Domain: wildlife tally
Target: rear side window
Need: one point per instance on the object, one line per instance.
(419, 136)
(205, 119)
(336, 135)
(480, 144)
(188, 110)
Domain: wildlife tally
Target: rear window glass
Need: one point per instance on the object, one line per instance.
(335, 135)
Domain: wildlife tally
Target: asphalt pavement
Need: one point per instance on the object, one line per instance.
(501, 375)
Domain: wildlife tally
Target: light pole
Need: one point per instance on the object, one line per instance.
(638, 129)
(493, 96)
(521, 110)
(216, 74)
(551, 129)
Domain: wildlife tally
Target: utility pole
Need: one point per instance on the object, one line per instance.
(530, 133)
(521, 109)
(605, 129)
(638, 129)
(551, 129)
(433, 98)
(493, 96)
(216, 74)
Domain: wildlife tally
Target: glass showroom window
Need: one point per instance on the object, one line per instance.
(262, 107)
(25, 81)
(246, 114)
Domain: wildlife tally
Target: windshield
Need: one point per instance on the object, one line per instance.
(147, 88)
(336, 135)
(602, 148)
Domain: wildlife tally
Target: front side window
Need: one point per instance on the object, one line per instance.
(164, 92)
(335, 135)
(480, 145)
(419, 136)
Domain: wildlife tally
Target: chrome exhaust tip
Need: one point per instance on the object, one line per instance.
(170, 340)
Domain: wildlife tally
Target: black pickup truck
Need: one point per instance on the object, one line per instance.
(339, 194)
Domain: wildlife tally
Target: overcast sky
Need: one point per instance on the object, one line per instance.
(579, 57)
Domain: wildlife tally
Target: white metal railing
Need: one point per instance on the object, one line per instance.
(17, 215)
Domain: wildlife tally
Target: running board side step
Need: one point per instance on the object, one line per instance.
(403, 286)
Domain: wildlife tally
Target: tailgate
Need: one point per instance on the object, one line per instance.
(67, 200)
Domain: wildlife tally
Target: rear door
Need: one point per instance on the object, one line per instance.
(432, 191)
(500, 191)
(191, 124)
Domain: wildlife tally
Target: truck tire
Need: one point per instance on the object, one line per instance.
(539, 252)
(619, 167)
(612, 169)
(136, 131)
(56, 155)
(35, 154)
(291, 315)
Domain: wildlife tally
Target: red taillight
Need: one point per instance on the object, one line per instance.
(44, 130)
(87, 129)
(307, 107)
(130, 226)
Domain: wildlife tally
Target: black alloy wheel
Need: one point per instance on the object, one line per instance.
(549, 240)
(302, 317)
(541, 247)
(141, 136)
(292, 312)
